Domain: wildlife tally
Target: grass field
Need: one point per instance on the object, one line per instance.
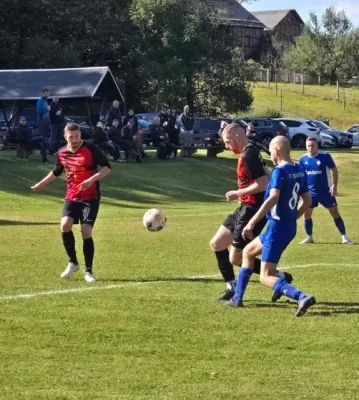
(150, 327)
(316, 102)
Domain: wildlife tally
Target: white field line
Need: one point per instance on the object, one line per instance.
(134, 284)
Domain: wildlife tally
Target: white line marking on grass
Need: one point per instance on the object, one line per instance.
(134, 284)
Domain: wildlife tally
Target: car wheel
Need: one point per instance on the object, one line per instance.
(298, 142)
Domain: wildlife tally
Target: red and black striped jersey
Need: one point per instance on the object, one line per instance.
(78, 167)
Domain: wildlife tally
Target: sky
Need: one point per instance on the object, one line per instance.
(351, 7)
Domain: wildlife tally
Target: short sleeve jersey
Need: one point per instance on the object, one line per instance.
(249, 168)
(317, 169)
(78, 167)
(290, 179)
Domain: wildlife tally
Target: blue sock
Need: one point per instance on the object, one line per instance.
(283, 287)
(279, 274)
(244, 276)
(308, 226)
(339, 223)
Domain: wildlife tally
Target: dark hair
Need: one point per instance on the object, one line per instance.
(72, 127)
(312, 139)
(45, 90)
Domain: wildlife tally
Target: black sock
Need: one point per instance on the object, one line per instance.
(257, 266)
(225, 265)
(68, 239)
(89, 252)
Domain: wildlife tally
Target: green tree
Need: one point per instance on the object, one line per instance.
(321, 47)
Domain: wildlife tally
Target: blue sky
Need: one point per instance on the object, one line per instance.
(303, 7)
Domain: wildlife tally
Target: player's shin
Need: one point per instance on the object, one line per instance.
(308, 226)
(89, 252)
(225, 266)
(68, 240)
(284, 288)
(244, 276)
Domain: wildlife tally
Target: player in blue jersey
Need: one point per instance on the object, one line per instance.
(317, 165)
(286, 186)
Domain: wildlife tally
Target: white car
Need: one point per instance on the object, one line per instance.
(299, 130)
(354, 130)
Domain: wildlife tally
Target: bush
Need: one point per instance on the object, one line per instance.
(269, 113)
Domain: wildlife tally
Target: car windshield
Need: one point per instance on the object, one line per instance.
(144, 123)
(320, 125)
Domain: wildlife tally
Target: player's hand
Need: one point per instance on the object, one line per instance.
(223, 124)
(333, 190)
(232, 195)
(85, 184)
(247, 231)
(37, 187)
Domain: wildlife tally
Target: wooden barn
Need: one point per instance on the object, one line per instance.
(287, 24)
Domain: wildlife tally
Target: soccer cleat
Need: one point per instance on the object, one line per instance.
(70, 269)
(226, 295)
(234, 303)
(346, 240)
(304, 304)
(288, 277)
(307, 240)
(89, 278)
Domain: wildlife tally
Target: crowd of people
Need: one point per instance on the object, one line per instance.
(113, 134)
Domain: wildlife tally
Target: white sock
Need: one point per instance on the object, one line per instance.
(231, 285)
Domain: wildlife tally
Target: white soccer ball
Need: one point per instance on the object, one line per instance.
(154, 220)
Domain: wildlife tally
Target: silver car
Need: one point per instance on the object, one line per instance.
(342, 139)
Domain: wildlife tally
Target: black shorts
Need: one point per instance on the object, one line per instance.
(83, 212)
(236, 221)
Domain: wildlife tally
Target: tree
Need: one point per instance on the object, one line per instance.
(320, 49)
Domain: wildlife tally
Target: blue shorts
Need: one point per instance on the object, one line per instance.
(325, 199)
(276, 238)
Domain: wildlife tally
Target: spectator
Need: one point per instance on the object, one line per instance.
(101, 139)
(160, 140)
(42, 109)
(131, 115)
(114, 113)
(57, 120)
(164, 115)
(173, 131)
(28, 141)
(130, 144)
(187, 121)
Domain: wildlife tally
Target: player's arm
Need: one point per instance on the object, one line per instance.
(306, 202)
(57, 171)
(334, 187)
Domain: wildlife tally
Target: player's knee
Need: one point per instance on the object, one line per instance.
(66, 226)
(86, 231)
(235, 257)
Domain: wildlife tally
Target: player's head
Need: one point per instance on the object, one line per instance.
(116, 104)
(311, 145)
(55, 99)
(131, 112)
(73, 136)
(22, 120)
(157, 121)
(279, 148)
(115, 123)
(45, 93)
(234, 138)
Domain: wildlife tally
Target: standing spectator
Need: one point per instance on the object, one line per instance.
(160, 140)
(28, 141)
(56, 124)
(114, 113)
(173, 131)
(164, 115)
(42, 109)
(130, 144)
(101, 139)
(187, 121)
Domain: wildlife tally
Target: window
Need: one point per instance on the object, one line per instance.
(292, 124)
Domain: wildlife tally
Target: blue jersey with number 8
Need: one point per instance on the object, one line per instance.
(291, 180)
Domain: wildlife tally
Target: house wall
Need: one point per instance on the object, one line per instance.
(289, 28)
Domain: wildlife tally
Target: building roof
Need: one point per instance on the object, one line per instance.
(272, 18)
(27, 84)
(238, 15)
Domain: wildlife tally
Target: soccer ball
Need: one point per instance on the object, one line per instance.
(154, 220)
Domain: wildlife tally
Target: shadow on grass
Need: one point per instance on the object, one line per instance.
(165, 279)
(4, 222)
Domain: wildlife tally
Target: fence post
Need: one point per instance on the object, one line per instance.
(302, 79)
(338, 94)
(294, 80)
(267, 77)
(319, 79)
(281, 101)
(344, 97)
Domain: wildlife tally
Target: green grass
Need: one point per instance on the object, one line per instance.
(315, 102)
(150, 328)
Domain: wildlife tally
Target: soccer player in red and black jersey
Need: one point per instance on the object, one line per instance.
(79, 160)
(252, 183)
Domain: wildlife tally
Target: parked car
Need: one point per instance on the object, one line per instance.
(149, 117)
(267, 128)
(342, 139)
(327, 140)
(299, 130)
(354, 130)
